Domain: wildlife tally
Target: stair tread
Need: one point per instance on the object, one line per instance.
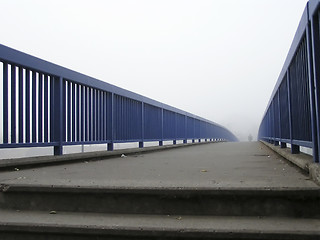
(34, 187)
(70, 222)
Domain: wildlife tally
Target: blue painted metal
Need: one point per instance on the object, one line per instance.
(90, 115)
(73, 112)
(84, 110)
(296, 92)
(40, 103)
(59, 114)
(34, 107)
(111, 125)
(46, 108)
(313, 118)
(314, 41)
(27, 100)
(20, 107)
(5, 104)
(81, 108)
(69, 111)
(52, 106)
(13, 104)
(78, 113)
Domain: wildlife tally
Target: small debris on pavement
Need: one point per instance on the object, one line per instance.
(123, 156)
(16, 169)
(53, 212)
(203, 170)
(178, 218)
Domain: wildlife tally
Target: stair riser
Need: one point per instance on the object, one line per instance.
(126, 203)
(122, 234)
(86, 233)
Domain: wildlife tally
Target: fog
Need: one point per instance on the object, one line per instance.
(216, 59)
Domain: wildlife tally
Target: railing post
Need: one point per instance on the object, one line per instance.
(142, 127)
(58, 114)
(185, 130)
(110, 144)
(194, 130)
(275, 123)
(175, 129)
(282, 144)
(5, 103)
(161, 141)
(313, 41)
(295, 149)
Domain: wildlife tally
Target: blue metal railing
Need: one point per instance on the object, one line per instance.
(48, 105)
(292, 115)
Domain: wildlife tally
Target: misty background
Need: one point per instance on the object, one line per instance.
(217, 59)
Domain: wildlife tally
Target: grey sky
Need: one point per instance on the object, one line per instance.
(216, 59)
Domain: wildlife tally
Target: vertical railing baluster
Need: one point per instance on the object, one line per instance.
(52, 106)
(82, 89)
(73, 111)
(20, 99)
(27, 102)
(40, 105)
(69, 104)
(5, 103)
(45, 109)
(142, 125)
(78, 113)
(105, 95)
(86, 116)
(13, 104)
(101, 116)
(98, 126)
(94, 113)
(34, 106)
(90, 114)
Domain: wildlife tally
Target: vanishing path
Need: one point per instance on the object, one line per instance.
(216, 165)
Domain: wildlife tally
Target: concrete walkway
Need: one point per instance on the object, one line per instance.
(216, 166)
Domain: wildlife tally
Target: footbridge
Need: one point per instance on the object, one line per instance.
(204, 185)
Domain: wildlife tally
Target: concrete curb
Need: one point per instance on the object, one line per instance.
(9, 164)
(303, 161)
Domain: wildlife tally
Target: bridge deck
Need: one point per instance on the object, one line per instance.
(218, 165)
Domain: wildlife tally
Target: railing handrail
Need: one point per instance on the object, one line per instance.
(84, 101)
(296, 92)
(296, 40)
(22, 59)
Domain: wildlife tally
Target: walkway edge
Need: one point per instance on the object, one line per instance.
(16, 163)
(303, 161)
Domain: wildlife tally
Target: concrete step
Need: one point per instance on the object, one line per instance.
(278, 202)
(65, 225)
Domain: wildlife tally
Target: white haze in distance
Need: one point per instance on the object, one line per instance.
(216, 59)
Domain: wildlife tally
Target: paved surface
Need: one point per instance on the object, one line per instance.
(216, 165)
